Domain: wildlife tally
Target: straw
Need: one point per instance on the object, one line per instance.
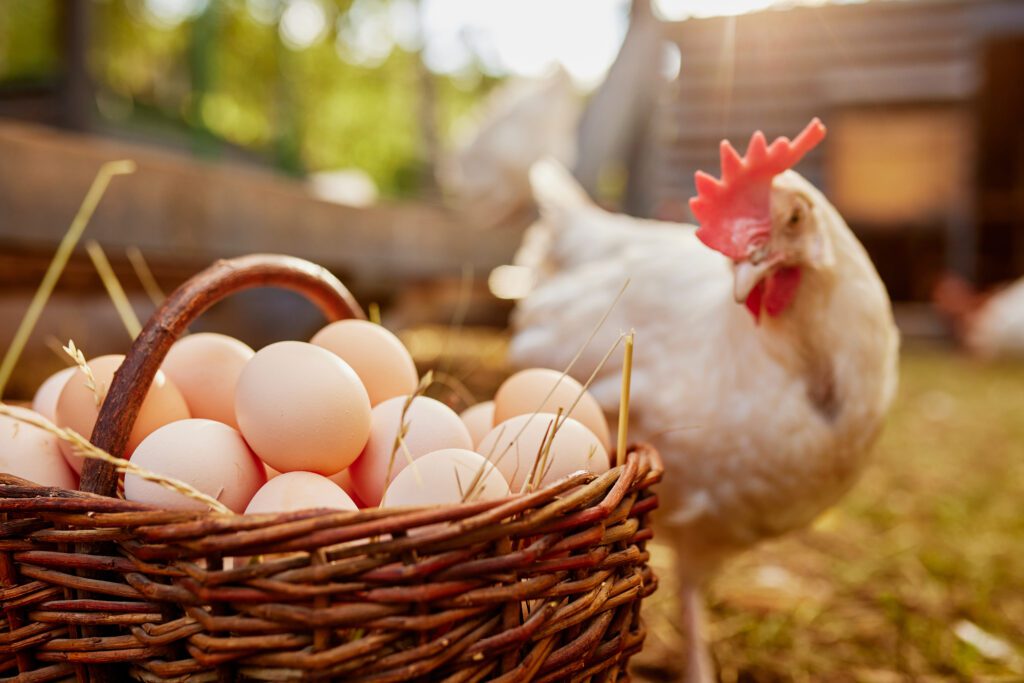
(627, 378)
(114, 290)
(60, 259)
(90, 379)
(373, 311)
(84, 448)
(145, 275)
(403, 429)
(489, 457)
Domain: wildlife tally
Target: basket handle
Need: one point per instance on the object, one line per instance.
(182, 307)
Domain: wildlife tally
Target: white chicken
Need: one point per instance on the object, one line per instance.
(523, 120)
(990, 325)
(765, 364)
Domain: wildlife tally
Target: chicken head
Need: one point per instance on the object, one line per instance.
(758, 216)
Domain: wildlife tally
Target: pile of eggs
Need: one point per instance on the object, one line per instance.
(301, 425)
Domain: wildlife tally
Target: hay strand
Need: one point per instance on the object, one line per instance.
(145, 275)
(114, 289)
(627, 378)
(84, 448)
(60, 259)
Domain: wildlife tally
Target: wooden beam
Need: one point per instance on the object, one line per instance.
(181, 210)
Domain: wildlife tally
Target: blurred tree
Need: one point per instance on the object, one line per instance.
(28, 40)
(305, 85)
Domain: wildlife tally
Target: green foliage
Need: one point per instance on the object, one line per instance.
(224, 79)
(28, 40)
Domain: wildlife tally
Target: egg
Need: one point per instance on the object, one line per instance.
(452, 475)
(301, 407)
(523, 393)
(479, 420)
(378, 357)
(209, 455)
(432, 426)
(45, 400)
(514, 444)
(205, 368)
(344, 480)
(77, 408)
(32, 453)
(299, 491)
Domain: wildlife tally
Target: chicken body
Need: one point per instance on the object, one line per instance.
(521, 121)
(990, 325)
(761, 425)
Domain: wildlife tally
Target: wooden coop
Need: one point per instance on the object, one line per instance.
(924, 101)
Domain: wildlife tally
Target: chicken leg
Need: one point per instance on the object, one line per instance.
(699, 668)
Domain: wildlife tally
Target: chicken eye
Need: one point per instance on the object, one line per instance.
(795, 217)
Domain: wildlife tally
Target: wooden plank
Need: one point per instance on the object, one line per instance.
(772, 70)
(178, 209)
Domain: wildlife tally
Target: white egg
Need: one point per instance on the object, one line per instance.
(32, 453)
(545, 391)
(432, 426)
(513, 446)
(479, 420)
(291, 491)
(452, 475)
(209, 455)
(45, 400)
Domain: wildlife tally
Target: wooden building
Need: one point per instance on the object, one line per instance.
(924, 100)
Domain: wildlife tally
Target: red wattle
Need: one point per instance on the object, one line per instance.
(774, 294)
(754, 300)
(780, 289)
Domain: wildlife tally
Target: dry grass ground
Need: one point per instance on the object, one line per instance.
(918, 575)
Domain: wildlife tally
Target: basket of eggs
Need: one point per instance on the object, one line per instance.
(305, 513)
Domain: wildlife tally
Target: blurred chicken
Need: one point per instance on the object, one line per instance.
(990, 324)
(524, 120)
(765, 354)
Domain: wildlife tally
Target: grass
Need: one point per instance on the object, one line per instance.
(930, 543)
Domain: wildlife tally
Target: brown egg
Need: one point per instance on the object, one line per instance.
(32, 453)
(205, 368)
(301, 407)
(45, 400)
(209, 455)
(514, 444)
(77, 407)
(432, 426)
(479, 420)
(523, 393)
(378, 357)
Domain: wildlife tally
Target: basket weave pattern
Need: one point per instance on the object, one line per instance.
(539, 586)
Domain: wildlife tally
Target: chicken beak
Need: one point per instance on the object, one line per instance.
(747, 275)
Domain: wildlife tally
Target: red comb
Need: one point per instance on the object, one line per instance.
(736, 210)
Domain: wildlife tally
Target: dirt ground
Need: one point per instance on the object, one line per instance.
(918, 575)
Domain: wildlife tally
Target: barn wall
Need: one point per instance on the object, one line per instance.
(882, 64)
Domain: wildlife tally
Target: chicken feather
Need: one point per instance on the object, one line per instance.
(762, 425)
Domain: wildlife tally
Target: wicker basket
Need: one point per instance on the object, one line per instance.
(543, 586)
